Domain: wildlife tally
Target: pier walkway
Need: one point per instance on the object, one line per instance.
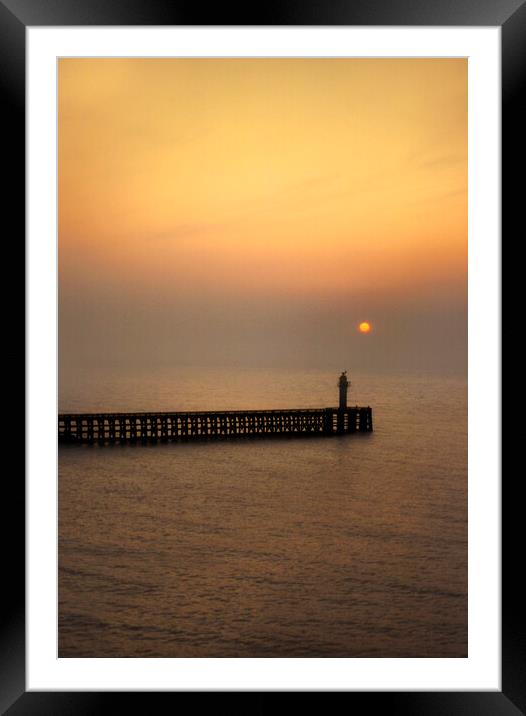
(103, 428)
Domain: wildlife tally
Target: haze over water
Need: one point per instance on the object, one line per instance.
(347, 546)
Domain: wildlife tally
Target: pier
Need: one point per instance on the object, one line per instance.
(164, 427)
(103, 428)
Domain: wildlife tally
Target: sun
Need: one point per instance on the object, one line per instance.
(364, 327)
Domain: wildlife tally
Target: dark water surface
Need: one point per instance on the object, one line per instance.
(351, 546)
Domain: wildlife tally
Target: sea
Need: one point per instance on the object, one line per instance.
(345, 546)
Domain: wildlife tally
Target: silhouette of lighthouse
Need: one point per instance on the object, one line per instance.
(343, 385)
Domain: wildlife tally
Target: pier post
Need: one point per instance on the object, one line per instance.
(363, 420)
(327, 421)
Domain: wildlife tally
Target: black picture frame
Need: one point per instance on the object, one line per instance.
(15, 17)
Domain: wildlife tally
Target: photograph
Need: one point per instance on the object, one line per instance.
(262, 418)
(263, 355)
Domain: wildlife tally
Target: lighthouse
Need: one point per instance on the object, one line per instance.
(343, 385)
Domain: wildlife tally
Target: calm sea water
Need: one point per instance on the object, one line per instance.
(351, 546)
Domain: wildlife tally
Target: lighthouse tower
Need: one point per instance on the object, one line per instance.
(343, 385)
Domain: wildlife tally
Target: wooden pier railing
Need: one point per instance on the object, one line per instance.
(163, 427)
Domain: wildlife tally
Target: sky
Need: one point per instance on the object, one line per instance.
(253, 212)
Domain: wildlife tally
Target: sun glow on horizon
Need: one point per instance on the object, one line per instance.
(253, 210)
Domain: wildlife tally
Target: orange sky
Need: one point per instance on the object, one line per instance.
(262, 177)
(238, 171)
